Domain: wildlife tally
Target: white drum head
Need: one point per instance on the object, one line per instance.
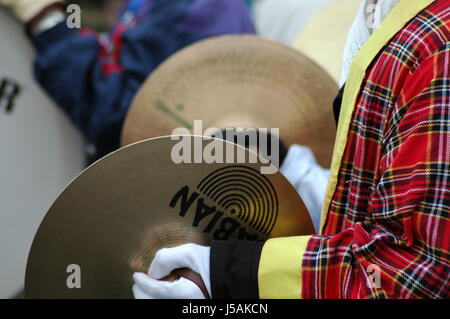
(40, 152)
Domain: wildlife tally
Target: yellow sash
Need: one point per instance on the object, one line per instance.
(405, 11)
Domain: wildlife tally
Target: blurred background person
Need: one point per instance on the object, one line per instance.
(94, 77)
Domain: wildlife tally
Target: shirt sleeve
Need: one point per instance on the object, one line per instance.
(402, 251)
(263, 269)
(279, 273)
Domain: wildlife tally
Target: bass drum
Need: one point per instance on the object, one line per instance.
(40, 152)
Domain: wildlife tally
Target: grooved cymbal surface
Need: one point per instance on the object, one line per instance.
(109, 222)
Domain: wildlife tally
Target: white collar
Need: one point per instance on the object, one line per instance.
(369, 17)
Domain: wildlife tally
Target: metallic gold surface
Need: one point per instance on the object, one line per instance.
(114, 216)
(238, 81)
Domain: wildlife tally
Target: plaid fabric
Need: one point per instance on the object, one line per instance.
(389, 215)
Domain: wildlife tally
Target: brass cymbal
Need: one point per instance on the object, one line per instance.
(238, 81)
(109, 222)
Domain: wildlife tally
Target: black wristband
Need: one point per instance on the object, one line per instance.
(234, 269)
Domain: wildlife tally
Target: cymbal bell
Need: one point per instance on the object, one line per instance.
(238, 81)
(109, 222)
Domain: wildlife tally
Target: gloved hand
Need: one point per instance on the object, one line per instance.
(166, 260)
(26, 10)
(309, 179)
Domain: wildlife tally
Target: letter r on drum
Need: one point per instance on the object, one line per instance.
(9, 91)
(74, 278)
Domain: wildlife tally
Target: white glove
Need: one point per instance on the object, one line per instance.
(166, 260)
(26, 10)
(309, 179)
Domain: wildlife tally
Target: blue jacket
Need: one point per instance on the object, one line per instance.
(94, 79)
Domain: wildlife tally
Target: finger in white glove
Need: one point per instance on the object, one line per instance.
(166, 260)
(148, 288)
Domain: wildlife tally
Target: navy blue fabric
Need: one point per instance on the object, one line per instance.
(74, 69)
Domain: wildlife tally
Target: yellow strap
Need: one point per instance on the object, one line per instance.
(405, 11)
(279, 272)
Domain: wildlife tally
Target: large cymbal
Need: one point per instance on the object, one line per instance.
(238, 81)
(116, 214)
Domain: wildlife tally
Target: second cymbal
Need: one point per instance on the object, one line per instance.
(109, 222)
(238, 81)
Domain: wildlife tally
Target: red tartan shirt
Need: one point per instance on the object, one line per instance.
(391, 205)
